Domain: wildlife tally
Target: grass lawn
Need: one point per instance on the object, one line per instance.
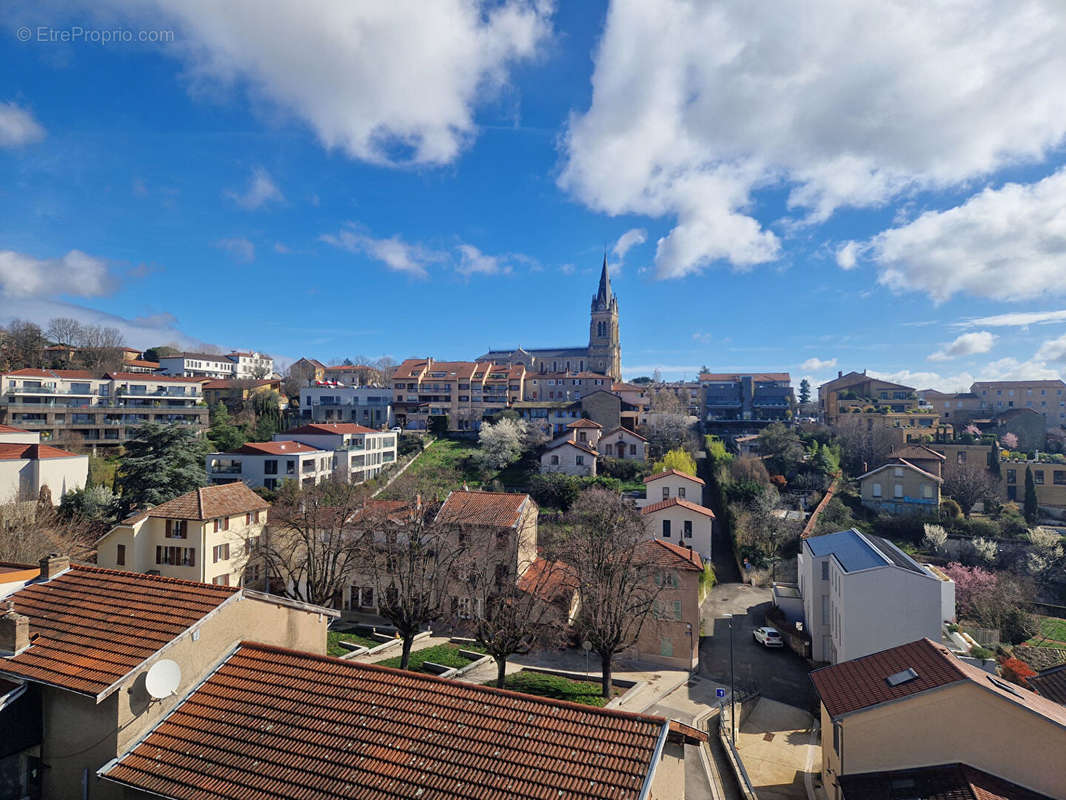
(334, 639)
(557, 687)
(445, 654)
(1052, 633)
(442, 461)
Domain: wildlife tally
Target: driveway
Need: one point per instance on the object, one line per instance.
(779, 674)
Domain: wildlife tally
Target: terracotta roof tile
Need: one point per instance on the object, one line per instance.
(208, 502)
(1050, 683)
(584, 423)
(77, 374)
(674, 472)
(676, 501)
(941, 782)
(93, 626)
(495, 509)
(273, 449)
(33, 452)
(625, 430)
(274, 722)
(552, 581)
(668, 554)
(9, 429)
(331, 428)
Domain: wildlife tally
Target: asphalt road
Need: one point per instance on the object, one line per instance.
(778, 673)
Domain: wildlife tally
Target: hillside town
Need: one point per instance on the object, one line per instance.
(526, 400)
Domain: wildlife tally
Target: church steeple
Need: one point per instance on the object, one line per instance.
(603, 296)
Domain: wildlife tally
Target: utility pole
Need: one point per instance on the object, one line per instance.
(732, 687)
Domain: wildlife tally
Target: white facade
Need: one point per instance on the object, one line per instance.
(680, 522)
(569, 458)
(26, 466)
(670, 484)
(269, 464)
(862, 594)
(623, 443)
(364, 405)
(251, 365)
(359, 453)
(9, 435)
(198, 365)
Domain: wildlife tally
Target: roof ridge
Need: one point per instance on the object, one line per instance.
(125, 573)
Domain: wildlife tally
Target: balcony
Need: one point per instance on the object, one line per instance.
(225, 469)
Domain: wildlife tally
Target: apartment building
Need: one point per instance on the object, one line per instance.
(1046, 397)
(75, 407)
(465, 392)
(207, 535)
(370, 406)
(359, 453)
(862, 594)
(270, 464)
(950, 406)
(564, 385)
(77, 644)
(857, 390)
(27, 466)
(250, 365)
(915, 721)
(1049, 480)
(750, 396)
(233, 392)
(550, 416)
(242, 365)
(900, 487)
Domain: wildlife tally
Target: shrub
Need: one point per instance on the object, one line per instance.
(1018, 626)
(438, 425)
(950, 510)
(985, 550)
(935, 537)
(624, 469)
(1016, 671)
(982, 653)
(554, 490)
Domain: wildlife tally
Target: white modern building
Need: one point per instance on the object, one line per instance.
(862, 594)
(269, 464)
(360, 453)
(238, 364)
(26, 466)
(370, 406)
(250, 365)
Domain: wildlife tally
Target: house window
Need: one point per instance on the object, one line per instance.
(825, 570)
(666, 529)
(220, 552)
(175, 556)
(582, 437)
(270, 466)
(221, 524)
(681, 491)
(897, 490)
(610, 449)
(248, 518)
(836, 738)
(688, 529)
(960, 457)
(1012, 476)
(825, 609)
(927, 491)
(366, 596)
(666, 492)
(177, 528)
(221, 580)
(632, 449)
(555, 460)
(677, 609)
(1038, 477)
(666, 648)
(898, 472)
(120, 557)
(580, 461)
(1058, 477)
(877, 490)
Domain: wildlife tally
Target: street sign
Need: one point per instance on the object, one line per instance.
(719, 692)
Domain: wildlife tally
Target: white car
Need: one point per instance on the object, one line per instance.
(397, 429)
(768, 637)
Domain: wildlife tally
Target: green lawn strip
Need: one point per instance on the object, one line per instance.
(557, 687)
(444, 654)
(334, 639)
(442, 457)
(1052, 633)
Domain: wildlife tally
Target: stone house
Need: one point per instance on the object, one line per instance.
(671, 635)
(900, 487)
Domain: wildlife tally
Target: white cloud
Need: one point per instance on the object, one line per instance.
(847, 255)
(968, 344)
(697, 105)
(1019, 319)
(75, 273)
(702, 336)
(18, 127)
(393, 82)
(629, 240)
(282, 248)
(1003, 369)
(393, 252)
(1053, 350)
(472, 260)
(816, 364)
(239, 248)
(1006, 244)
(261, 190)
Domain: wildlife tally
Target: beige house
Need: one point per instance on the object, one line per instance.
(208, 535)
(623, 443)
(900, 487)
(585, 432)
(1049, 480)
(307, 370)
(679, 521)
(465, 392)
(75, 652)
(570, 458)
(26, 466)
(857, 390)
(672, 483)
(671, 635)
(917, 705)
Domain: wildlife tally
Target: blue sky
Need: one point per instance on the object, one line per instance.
(849, 188)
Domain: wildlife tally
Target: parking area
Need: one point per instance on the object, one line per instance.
(778, 673)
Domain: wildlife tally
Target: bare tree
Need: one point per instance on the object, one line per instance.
(313, 544)
(968, 484)
(412, 563)
(65, 330)
(863, 447)
(24, 345)
(615, 585)
(517, 605)
(100, 348)
(30, 531)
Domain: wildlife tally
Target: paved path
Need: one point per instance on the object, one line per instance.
(775, 743)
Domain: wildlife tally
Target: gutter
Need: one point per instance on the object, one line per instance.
(656, 756)
(12, 696)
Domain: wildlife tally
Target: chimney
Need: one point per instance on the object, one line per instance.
(14, 632)
(840, 373)
(52, 565)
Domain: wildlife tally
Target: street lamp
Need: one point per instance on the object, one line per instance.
(732, 685)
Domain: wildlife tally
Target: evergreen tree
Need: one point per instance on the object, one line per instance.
(161, 463)
(994, 467)
(678, 459)
(805, 392)
(1031, 509)
(224, 434)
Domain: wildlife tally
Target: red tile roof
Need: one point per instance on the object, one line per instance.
(277, 723)
(77, 374)
(941, 782)
(584, 423)
(625, 430)
(668, 554)
(552, 581)
(902, 462)
(495, 509)
(332, 427)
(855, 685)
(94, 626)
(571, 443)
(140, 362)
(33, 452)
(208, 502)
(9, 429)
(676, 501)
(674, 472)
(273, 449)
(1050, 683)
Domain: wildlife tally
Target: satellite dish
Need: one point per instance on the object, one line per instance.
(162, 679)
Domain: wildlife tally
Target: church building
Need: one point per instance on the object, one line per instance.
(603, 354)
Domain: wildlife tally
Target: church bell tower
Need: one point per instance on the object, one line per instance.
(605, 348)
